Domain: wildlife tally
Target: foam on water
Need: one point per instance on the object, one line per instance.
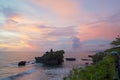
(13, 77)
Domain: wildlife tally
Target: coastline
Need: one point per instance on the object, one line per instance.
(40, 70)
(105, 66)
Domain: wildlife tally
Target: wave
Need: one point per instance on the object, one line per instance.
(13, 77)
(41, 74)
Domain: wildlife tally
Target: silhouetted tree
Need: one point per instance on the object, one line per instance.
(116, 42)
(51, 50)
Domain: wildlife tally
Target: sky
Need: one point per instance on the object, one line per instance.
(71, 25)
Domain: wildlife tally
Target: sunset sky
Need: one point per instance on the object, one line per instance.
(72, 25)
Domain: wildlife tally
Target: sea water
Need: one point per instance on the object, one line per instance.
(9, 69)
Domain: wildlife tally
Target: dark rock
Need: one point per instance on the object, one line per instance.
(90, 56)
(84, 59)
(22, 63)
(32, 63)
(70, 59)
(51, 58)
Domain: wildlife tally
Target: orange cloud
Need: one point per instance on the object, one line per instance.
(12, 40)
(33, 47)
(18, 19)
(16, 34)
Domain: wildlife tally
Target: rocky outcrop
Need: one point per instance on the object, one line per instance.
(51, 58)
(22, 63)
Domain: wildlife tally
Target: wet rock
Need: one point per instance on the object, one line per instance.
(22, 63)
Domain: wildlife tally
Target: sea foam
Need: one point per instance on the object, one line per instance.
(13, 77)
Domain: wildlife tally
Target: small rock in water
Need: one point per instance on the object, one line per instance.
(22, 63)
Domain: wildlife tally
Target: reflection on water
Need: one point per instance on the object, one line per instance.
(8, 66)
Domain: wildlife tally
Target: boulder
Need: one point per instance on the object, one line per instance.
(22, 63)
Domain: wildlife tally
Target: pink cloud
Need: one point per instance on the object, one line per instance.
(102, 30)
(63, 8)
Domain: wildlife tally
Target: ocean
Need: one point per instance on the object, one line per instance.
(10, 71)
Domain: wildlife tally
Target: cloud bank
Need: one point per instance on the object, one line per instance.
(38, 25)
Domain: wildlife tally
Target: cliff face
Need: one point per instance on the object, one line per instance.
(51, 58)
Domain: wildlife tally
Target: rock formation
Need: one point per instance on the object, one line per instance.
(22, 63)
(51, 58)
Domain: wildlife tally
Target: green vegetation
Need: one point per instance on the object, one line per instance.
(113, 49)
(103, 70)
(98, 57)
(116, 42)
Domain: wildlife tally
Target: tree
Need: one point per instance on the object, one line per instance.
(116, 42)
